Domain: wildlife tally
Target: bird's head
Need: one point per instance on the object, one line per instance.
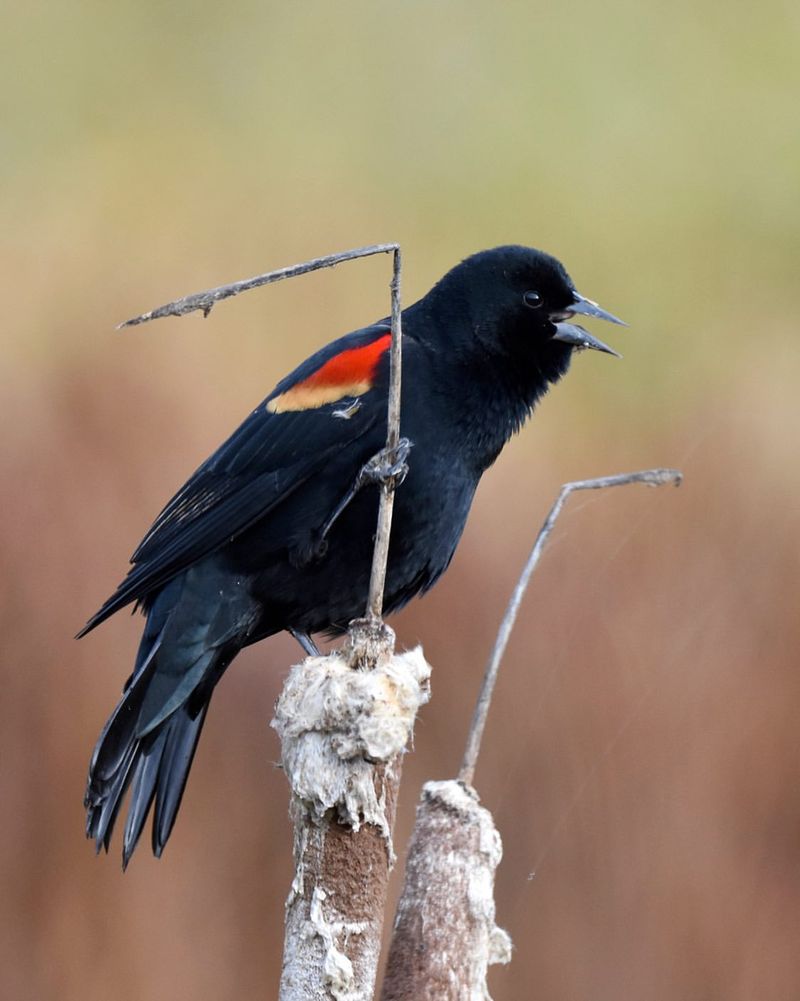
(519, 301)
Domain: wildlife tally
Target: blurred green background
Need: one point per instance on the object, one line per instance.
(642, 756)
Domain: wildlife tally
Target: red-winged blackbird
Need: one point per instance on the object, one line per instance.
(246, 548)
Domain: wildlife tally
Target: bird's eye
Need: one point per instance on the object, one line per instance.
(532, 299)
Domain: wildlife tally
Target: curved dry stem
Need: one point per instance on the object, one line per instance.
(652, 478)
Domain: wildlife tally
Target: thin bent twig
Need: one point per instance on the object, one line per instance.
(651, 477)
(210, 297)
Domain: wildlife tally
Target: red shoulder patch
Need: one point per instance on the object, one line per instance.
(350, 373)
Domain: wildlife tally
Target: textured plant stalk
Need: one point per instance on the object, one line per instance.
(445, 936)
(343, 734)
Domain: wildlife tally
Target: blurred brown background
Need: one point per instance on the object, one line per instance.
(642, 756)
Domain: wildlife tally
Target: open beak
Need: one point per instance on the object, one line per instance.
(571, 333)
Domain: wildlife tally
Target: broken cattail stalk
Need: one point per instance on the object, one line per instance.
(343, 734)
(445, 937)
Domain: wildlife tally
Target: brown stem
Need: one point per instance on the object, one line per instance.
(653, 478)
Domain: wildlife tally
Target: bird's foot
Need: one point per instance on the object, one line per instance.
(387, 465)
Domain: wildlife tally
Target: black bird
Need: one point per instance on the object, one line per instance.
(246, 548)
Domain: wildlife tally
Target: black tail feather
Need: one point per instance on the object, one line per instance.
(103, 799)
(113, 758)
(155, 767)
(113, 744)
(149, 743)
(145, 776)
(179, 751)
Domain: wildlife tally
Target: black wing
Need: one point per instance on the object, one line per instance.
(263, 462)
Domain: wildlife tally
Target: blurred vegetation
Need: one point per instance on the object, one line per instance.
(642, 756)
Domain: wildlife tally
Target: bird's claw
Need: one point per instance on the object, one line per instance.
(387, 466)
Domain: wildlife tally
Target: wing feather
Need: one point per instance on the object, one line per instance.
(260, 466)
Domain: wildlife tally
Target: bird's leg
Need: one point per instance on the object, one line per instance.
(383, 466)
(305, 641)
(388, 464)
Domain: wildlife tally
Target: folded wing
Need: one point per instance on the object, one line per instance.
(332, 401)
